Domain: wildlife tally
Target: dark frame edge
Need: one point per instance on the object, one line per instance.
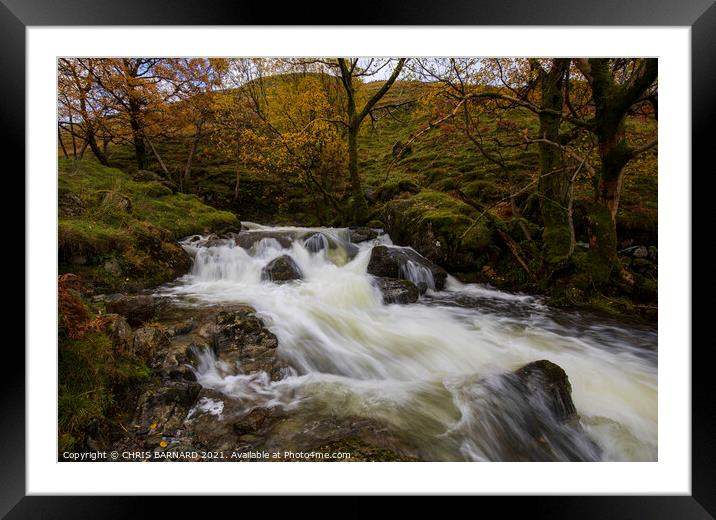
(12, 398)
(702, 502)
(703, 110)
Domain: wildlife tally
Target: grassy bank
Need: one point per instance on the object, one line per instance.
(119, 232)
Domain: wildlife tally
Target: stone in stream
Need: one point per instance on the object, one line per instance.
(246, 239)
(395, 290)
(163, 408)
(362, 234)
(241, 341)
(281, 269)
(550, 379)
(533, 418)
(395, 262)
(316, 242)
(136, 309)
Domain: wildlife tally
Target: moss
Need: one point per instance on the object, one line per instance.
(134, 223)
(440, 227)
(482, 190)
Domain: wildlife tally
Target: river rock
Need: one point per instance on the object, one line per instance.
(137, 309)
(163, 408)
(316, 242)
(530, 416)
(549, 378)
(395, 290)
(246, 239)
(363, 234)
(148, 339)
(281, 269)
(242, 341)
(393, 262)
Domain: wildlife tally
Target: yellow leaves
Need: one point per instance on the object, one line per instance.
(163, 444)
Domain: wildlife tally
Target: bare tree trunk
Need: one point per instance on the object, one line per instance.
(360, 205)
(158, 158)
(82, 150)
(192, 151)
(105, 145)
(62, 144)
(140, 150)
(72, 133)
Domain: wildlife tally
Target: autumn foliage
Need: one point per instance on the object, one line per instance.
(75, 317)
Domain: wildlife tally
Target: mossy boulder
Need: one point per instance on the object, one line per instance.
(397, 291)
(404, 263)
(119, 232)
(439, 227)
(281, 269)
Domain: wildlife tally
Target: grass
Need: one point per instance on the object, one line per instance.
(122, 233)
(94, 376)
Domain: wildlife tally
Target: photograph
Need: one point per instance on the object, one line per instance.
(357, 259)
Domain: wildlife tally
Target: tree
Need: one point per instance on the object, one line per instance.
(554, 181)
(135, 90)
(613, 99)
(294, 126)
(350, 72)
(79, 112)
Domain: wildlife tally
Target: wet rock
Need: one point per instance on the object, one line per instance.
(526, 415)
(363, 234)
(242, 341)
(393, 262)
(136, 309)
(550, 379)
(218, 242)
(422, 287)
(281, 269)
(246, 239)
(163, 407)
(316, 242)
(397, 291)
(254, 421)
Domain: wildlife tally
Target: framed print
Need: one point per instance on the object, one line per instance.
(433, 262)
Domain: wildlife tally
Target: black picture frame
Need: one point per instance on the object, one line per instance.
(700, 15)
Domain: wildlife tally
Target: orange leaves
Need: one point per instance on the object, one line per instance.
(73, 313)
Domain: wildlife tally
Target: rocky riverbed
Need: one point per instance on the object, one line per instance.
(319, 340)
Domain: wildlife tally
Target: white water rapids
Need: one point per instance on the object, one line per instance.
(430, 369)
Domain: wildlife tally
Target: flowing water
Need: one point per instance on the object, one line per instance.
(433, 369)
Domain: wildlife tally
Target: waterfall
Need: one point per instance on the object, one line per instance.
(431, 369)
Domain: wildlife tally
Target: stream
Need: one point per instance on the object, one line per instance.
(431, 369)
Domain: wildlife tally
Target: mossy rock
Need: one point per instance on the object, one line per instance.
(136, 223)
(439, 227)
